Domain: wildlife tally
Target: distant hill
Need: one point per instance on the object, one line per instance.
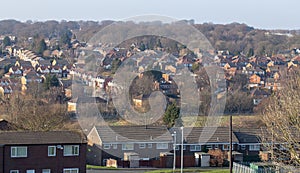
(236, 38)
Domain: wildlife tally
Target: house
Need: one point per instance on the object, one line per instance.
(33, 76)
(258, 95)
(255, 79)
(202, 139)
(5, 125)
(249, 143)
(53, 151)
(117, 141)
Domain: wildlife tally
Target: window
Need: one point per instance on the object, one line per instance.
(51, 150)
(30, 171)
(106, 146)
(149, 145)
(18, 151)
(46, 171)
(71, 170)
(161, 146)
(177, 147)
(226, 147)
(243, 147)
(14, 171)
(127, 146)
(208, 147)
(115, 146)
(255, 147)
(184, 147)
(71, 150)
(143, 145)
(195, 147)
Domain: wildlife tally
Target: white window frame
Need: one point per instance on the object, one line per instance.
(227, 148)
(46, 170)
(15, 155)
(142, 145)
(14, 171)
(209, 147)
(150, 145)
(50, 154)
(162, 146)
(73, 150)
(115, 146)
(195, 147)
(254, 147)
(127, 146)
(106, 146)
(70, 170)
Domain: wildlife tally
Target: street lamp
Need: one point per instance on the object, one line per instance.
(181, 168)
(174, 150)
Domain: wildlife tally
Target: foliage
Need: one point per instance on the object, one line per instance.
(171, 114)
(282, 119)
(65, 38)
(41, 47)
(6, 41)
(37, 110)
(239, 102)
(217, 157)
(115, 65)
(51, 81)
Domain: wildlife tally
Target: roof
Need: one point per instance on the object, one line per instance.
(205, 135)
(134, 134)
(248, 135)
(39, 137)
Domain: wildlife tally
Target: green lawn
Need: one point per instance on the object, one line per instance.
(99, 167)
(191, 170)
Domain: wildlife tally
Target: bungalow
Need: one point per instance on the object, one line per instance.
(53, 151)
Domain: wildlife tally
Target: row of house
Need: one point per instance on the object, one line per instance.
(46, 152)
(149, 142)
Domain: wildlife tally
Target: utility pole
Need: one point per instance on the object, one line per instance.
(181, 167)
(174, 150)
(230, 144)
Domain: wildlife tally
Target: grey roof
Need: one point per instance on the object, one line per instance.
(38, 137)
(134, 134)
(204, 135)
(249, 135)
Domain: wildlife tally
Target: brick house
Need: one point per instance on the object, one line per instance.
(250, 143)
(42, 152)
(201, 140)
(115, 141)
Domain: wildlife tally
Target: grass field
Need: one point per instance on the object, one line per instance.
(191, 170)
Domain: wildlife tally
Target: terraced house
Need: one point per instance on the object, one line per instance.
(42, 152)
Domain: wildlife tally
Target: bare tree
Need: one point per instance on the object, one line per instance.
(36, 110)
(282, 120)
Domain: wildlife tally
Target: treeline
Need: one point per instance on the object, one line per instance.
(236, 38)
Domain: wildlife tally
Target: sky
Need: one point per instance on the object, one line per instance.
(262, 14)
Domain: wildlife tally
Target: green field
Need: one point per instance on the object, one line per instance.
(191, 170)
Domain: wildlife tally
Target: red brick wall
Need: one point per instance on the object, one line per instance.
(37, 159)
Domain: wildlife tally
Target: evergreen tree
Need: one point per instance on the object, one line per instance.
(171, 114)
(6, 41)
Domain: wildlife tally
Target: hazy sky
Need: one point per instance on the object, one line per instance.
(268, 14)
